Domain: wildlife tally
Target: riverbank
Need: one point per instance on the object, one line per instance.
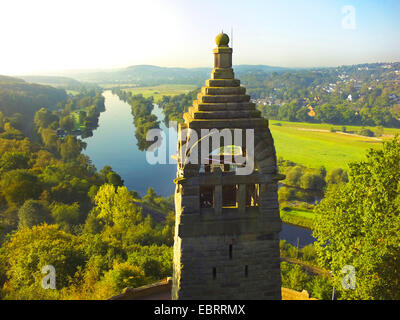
(298, 217)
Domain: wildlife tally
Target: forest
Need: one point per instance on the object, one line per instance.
(57, 209)
(20, 100)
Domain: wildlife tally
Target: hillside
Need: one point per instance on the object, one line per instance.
(365, 94)
(63, 82)
(154, 75)
(20, 100)
(19, 96)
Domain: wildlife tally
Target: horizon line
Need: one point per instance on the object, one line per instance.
(110, 69)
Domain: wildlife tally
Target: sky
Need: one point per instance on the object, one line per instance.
(45, 36)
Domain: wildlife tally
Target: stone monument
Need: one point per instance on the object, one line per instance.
(227, 224)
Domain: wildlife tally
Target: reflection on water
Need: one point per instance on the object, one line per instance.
(292, 234)
(114, 143)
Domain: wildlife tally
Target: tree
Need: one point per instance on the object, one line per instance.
(11, 133)
(293, 276)
(32, 213)
(328, 113)
(20, 185)
(93, 191)
(49, 139)
(103, 172)
(82, 117)
(322, 172)
(29, 250)
(111, 176)
(65, 215)
(150, 196)
(293, 175)
(43, 118)
(43, 159)
(124, 275)
(17, 121)
(115, 179)
(67, 123)
(337, 176)
(116, 207)
(310, 181)
(71, 148)
(13, 160)
(358, 224)
(302, 114)
(92, 224)
(2, 121)
(286, 194)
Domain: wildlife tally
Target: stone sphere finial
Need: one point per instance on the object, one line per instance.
(222, 40)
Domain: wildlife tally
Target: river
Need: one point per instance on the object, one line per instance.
(114, 143)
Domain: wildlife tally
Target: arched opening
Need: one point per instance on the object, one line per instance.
(224, 157)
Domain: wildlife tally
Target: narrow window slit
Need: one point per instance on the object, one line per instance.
(230, 251)
(246, 271)
(206, 197)
(214, 273)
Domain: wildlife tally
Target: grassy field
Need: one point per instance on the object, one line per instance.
(158, 91)
(314, 145)
(162, 90)
(299, 217)
(326, 126)
(73, 92)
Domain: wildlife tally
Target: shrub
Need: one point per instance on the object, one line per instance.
(293, 175)
(366, 132)
(320, 287)
(294, 277)
(309, 253)
(286, 194)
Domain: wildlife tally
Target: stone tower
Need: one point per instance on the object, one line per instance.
(227, 225)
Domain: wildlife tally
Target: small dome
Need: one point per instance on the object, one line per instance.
(222, 40)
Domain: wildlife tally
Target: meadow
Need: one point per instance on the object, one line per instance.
(157, 92)
(314, 145)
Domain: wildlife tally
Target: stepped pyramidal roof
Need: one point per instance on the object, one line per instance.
(223, 102)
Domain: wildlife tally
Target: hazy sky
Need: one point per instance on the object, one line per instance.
(48, 35)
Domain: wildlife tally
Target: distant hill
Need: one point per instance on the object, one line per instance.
(154, 75)
(19, 96)
(4, 80)
(64, 82)
(260, 68)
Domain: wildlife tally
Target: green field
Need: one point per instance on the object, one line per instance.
(73, 92)
(159, 91)
(308, 144)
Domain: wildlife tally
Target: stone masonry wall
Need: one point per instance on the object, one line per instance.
(201, 256)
